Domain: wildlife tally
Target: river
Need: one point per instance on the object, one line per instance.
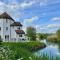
(52, 49)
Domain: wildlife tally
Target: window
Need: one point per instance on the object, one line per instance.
(6, 37)
(0, 28)
(23, 39)
(6, 28)
(20, 35)
(19, 28)
(6, 21)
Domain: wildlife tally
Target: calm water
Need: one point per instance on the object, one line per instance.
(50, 50)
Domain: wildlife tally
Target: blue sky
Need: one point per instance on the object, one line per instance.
(44, 15)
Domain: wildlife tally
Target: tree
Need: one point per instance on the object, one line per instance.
(31, 32)
(42, 36)
(58, 34)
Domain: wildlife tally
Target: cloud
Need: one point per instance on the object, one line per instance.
(27, 4)
(30, 20)
(53, 26)
(14, 4)
(10, 9)
(21, 5)
(2, 7)
(50, 28)
(55, 19)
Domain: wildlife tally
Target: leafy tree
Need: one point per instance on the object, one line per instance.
(42, 35)
(31, 32)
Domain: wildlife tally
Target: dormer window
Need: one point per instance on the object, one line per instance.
(19, 28)
(20, 35)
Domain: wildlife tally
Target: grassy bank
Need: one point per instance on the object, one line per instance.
(14, 51)
(31, 46)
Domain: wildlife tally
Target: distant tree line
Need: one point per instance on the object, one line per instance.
(31, 32)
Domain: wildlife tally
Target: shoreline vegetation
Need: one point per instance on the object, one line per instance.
(55, 38)
(31, 46)
(25, 50)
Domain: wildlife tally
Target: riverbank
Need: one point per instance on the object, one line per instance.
(31, 46)
(53, 39)
(51, 52)
(23, 50)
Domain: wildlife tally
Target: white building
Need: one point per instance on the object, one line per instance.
(10, 31)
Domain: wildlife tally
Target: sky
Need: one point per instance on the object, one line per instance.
(44, 15)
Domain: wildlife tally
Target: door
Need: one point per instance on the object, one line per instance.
(7, 38)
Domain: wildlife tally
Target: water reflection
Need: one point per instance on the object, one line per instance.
(51, 50)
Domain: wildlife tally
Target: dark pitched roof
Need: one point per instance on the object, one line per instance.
(16, 24)
(20, 32)
(6, 16)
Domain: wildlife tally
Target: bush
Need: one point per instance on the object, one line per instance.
(53, 38)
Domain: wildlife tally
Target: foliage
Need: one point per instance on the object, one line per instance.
(31, 32)
(52, 38)
(27, 45)
(55, 37)
(58, 34)
(42, 36)
(14, 51)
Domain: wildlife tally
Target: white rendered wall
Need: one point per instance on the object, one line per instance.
(3, 25)
(11, 31)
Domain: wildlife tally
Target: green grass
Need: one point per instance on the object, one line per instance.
(31, 46)
(24, 50)
(14, 51)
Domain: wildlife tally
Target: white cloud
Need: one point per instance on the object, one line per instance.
(11, 9)
(30, 20)
(2, 7)
(56, 19)
(53, 26)
(50, 28)
(13, 4)
(43, 28)
(51, 31)
(27, 4)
